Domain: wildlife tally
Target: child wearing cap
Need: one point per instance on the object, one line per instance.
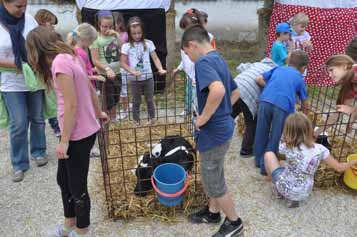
(279, 51)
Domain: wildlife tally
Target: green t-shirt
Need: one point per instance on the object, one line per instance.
(109, 52)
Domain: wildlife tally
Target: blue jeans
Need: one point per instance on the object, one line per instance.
(276, 174)
(25, 108)
(270, 126)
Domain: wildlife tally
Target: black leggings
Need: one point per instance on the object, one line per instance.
(72, 176)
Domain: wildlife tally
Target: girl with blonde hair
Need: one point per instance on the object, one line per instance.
(294, 180)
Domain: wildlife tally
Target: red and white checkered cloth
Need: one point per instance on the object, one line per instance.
(331, 30)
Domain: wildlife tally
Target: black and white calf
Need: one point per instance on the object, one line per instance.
(171, 149)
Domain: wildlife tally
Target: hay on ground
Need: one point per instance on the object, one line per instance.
(125, 143)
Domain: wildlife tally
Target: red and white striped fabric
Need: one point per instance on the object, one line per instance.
(333, 23)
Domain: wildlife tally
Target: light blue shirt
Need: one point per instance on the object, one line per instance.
(279, 53)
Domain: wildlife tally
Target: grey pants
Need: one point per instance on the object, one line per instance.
(146, 88)
(212, 170)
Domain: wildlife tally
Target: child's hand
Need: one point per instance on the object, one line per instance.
(354, 162)
(345, 109)
(113, 33)
(307, 45)
(110, 73)
(136, 73)
(174, 72)
(100, 78)
(61, 150)
(162, 72)
(199, 122)
(104, 117)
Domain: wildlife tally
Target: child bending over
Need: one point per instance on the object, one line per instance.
(277, 101)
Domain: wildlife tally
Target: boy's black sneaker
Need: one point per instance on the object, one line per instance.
(230, 228)
(204, 216)
(245, 153)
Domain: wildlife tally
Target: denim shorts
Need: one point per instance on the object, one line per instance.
(276, 173)
(212, 170)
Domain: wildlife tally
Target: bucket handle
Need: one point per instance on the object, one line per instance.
(171, 195)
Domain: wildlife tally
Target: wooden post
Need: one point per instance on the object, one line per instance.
(170, 37)
(264, 14)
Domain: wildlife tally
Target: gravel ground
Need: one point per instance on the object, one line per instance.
(32, 207)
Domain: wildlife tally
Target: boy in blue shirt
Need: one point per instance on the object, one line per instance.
(277, 101)
(279, 52)
(216, 91)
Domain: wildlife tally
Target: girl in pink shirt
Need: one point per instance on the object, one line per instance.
(80, 39)
(78, 114)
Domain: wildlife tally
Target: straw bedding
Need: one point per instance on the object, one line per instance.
(125, 143)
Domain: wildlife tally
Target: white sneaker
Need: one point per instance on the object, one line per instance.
(59, 231)
(74, 234)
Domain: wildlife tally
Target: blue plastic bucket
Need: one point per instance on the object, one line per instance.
(169, 183)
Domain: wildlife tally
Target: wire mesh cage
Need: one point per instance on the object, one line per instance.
(135, 130)
(337, 130)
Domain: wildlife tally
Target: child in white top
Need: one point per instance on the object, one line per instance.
(295, 180)
(135, 60)
(300, 38)
(191, 17)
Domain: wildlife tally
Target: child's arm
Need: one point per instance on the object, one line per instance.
(214, 99)
(117, 36)
(67, 88)
(308, 45)
(7, 64)
(260, 81)
(235, 96)
(157, 63)
(178, 68)
(96, 78)
(305, 106)
(98, 111)
(124, 64)
(95, 58)
(286, 60)
(347, 109)
(339, 167)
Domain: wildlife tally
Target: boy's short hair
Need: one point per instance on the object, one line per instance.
(300, 18)
(351, 49)
(298, 59)
(194, 33)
